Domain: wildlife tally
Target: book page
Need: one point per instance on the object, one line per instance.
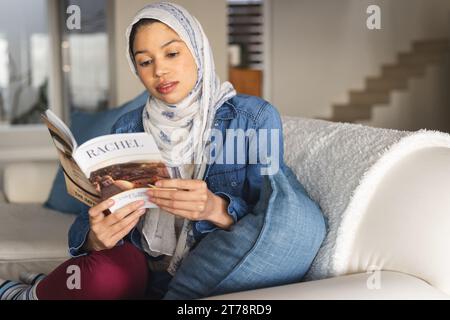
(76, 191)
(123, 167)
(58, 127)
(112, 149)
(77, 184)
(129, 182)
(61, 141)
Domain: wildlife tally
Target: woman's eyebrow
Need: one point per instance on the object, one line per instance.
(164, 45)
(170, 42)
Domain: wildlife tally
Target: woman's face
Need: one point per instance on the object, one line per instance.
(164, 63)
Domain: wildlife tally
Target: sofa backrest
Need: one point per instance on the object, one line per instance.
(384, 193)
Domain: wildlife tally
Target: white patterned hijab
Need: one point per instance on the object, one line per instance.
(181, 131)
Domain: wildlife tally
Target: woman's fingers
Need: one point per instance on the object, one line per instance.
(187, 184)
(177, 195)
(190, 202)
(119, 225)
(183, 205)
(191, 215)
(104, 230)
(96, 212)
(121, 213)
(115, 238)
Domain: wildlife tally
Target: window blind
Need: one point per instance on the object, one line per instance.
(245, 28)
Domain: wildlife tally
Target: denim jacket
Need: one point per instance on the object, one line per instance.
(238, 182)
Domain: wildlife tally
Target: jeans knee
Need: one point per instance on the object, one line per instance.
(119, 273)
(108, 279)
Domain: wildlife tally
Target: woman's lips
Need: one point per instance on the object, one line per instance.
(167, 87)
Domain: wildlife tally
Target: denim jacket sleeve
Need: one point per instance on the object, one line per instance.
(269, 159)
(78, 234)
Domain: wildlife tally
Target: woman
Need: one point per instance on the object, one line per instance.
(131, 254)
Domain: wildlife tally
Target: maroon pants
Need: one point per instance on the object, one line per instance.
(118, 273)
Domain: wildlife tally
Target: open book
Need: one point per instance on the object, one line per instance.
(118, 166)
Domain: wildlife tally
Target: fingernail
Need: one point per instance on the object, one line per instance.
(158, 183)
(110, 202)
(141, 211)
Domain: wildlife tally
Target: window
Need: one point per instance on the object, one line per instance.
(4, 75)
(27, 39)
(23, 60)
(85, 57)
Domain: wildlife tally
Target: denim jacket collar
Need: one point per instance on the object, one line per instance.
(227, 111)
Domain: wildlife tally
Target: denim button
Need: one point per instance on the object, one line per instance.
(234, 184)
(216, 124)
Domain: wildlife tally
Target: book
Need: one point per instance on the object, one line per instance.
(120, 166)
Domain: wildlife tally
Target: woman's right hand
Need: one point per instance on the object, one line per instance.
(106, 231)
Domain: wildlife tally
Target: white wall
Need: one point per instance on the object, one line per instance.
(321, 49)
(212, 14)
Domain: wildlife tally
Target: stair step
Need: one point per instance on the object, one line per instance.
(385, 84)
(437, 45)
(399, 71)
(421, 58)
(368, 97)
(351, 112)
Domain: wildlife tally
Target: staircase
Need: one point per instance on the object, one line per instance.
(377, 90)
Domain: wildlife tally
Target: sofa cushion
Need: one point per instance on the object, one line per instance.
(38, 177)
(273, 245)
(32, 237)
(29, 231)
(85, 126)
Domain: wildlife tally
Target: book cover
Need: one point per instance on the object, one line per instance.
(119, 166)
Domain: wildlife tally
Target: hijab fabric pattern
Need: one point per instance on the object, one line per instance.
(181, 131)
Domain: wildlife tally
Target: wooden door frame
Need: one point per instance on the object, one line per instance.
(267, 44)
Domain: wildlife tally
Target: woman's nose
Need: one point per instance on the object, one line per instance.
(161, 69)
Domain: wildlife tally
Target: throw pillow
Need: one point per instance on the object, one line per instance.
(85, 126)
(273, 245)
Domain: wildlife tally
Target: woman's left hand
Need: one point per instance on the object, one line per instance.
(192, 200)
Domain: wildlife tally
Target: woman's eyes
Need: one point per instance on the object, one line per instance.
(149, 62)
(145, 63)
(172, 54)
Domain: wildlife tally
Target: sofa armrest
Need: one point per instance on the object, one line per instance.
(406, 225)
(28, 182)
(383, 285)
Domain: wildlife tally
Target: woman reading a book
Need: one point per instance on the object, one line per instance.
(134, 252)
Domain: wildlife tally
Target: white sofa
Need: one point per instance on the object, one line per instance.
(404, 234)
(32, 238)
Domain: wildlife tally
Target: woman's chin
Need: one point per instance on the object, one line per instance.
(169, 99)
